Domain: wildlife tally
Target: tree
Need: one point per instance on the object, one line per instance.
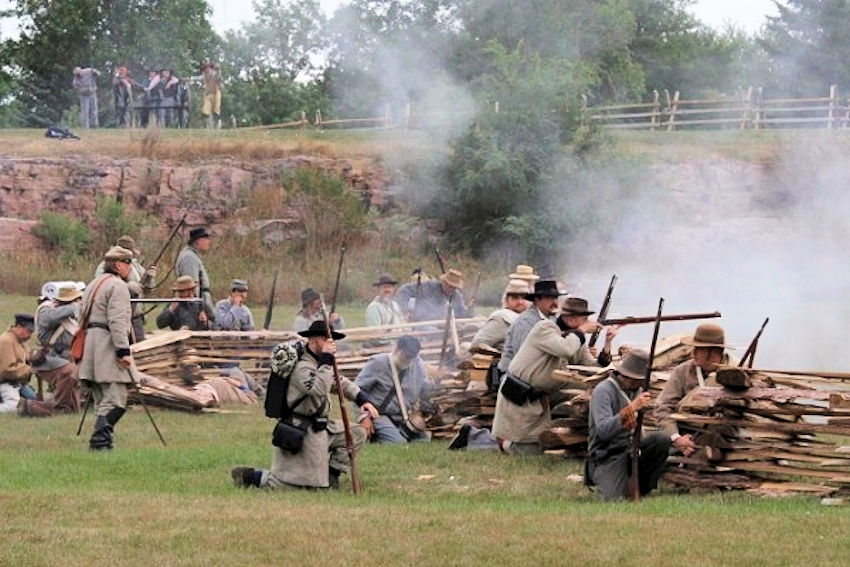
(808, 45)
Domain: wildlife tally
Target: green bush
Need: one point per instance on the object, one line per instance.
(113, 221)
(62, 234)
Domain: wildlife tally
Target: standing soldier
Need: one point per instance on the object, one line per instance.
(544, 300)
(139, 281)
(189, 264)
(211, 108)
(179, 315)
(85, 83)
(322, 457)
(56, 322)
(106, 363)
(428, 301)
(232, 314)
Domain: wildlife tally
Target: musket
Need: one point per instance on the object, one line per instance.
(172, 235)
(343, 410)
(634, 448)
(475, 289)
(751, 350)
(603, 311)
(167, 300)
(270, 306)
(144, 405)
(440, 260)
(89, 401)
(446, 331)
(338, 276)
(642, 320)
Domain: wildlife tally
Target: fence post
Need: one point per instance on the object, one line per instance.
(656, 107)
(759, 111)
(671, 123)
(303, 120)
(318, 119)
(833, 103)
(747, 101)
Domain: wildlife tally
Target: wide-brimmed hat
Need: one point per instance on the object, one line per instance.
(453, 278)
(575, 306)
(184, 283)
(239, 285)
(545, 288)
(318, 329)
(309, 295)
(385, 279)
(524, 272)
(197, 233)
(118, 254)
(127, 242)
(707, 335)
(68, 294)
(25, 320)
(633, 365)
(517, 287)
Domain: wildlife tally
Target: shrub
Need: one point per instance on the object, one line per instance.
(62, 234)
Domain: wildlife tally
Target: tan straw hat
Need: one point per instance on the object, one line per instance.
(68, 294)
(524, 272)
(118, 254)
(707, 335)
(183, 283)
(517, 287)
(453, 278)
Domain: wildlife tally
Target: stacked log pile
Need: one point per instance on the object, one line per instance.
(769, 431)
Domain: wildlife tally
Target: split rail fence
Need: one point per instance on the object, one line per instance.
(750, 110)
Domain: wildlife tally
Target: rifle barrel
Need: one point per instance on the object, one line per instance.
(603, 311)
(338, 276)
(172, 234)
(643, 320)
(751, 349)
(270, 306)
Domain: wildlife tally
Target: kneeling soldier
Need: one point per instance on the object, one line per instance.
(612, 419)
(323, 455)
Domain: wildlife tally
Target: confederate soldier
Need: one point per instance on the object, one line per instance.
(495, 329)
(574, 314)
(709, 353)
(56, 323)
(383, 310)
(428, 301)
(544, 300)
(311, 311)
(138, 281)
(122, 92)
(232, 314)
(85, 83)
(106, 363)
(526, 274)
(189, 263)
(523, 402)
(15, 371)
(612, 420)
(382, 377)
(323, 456)
(178, 315)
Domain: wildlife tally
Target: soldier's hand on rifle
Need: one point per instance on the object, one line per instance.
(202, 317)
(367, 424)
(329, 347)
(642, 401)
(685, 444)
(370, 409)
(125, 362)
(589, 327)
(610, 333)
(173, 306)
(594, 352)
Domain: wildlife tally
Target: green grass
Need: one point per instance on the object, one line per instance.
(145, 504)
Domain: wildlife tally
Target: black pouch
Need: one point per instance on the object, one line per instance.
(320, 424)
(494, 377)
(288, 436)
(516, 390)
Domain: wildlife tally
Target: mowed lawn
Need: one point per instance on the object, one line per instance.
(144, 504)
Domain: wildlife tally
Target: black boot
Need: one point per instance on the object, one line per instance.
(101, 438)
(333, 478)
(243, 476)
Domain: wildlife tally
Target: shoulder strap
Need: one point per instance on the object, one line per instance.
(84, 319)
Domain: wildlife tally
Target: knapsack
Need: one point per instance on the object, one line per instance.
(58, 133)
(283, 360)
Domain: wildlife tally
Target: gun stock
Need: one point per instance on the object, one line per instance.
(603, 311)
(643, 320)
(634, 448)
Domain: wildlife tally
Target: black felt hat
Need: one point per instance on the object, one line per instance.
(318, 329)
(197, 233)
(545, 288)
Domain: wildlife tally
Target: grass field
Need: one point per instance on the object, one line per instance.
(143, 504)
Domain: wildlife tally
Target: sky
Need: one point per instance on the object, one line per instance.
(746, 14)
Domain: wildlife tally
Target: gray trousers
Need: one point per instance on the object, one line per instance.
(88, 110)
(388, 432)
(611, 475)
(107, 396)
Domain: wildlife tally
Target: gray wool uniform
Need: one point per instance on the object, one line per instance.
(189, 263)
(429, 303)
(186, 315)
(516, 335)
(229, 317)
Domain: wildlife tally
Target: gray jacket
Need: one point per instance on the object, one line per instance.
(516, 335)
(186, 315)
(229, 317)
(429, 303)
(607, 435)
(104, 346)
(49, 318)
(189, 264)
(376, 380)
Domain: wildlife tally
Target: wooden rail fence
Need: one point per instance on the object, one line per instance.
(747, 111)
